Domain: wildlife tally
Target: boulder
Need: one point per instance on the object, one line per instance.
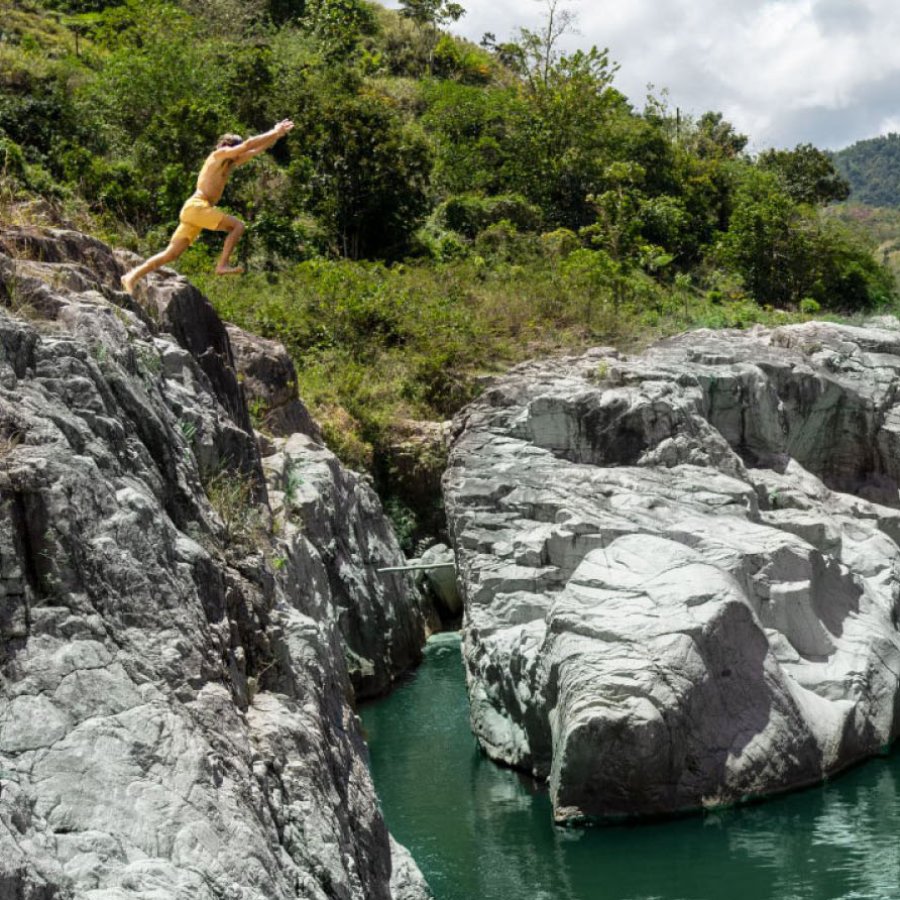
(680, 569)
(441, 580)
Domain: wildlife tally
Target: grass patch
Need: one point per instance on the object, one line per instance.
(231, 495)
(375, 344)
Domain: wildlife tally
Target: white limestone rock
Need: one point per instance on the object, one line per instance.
(681, 570)
(174, 717)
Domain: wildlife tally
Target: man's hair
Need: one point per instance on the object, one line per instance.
(229, 140)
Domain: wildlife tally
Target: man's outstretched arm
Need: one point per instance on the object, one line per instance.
(247, 155)
(255, 145)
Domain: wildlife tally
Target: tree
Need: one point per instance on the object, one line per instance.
(785, 252)
(618, 226)
(431, 12)
(767, 241)
(430, 15)
(370, 175)
(712, 137)
(474, 132)
(339, 25)
(568, 136)
(534, 54)
(541, 47)
(807, 174)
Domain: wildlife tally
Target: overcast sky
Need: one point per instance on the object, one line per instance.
(784, 72)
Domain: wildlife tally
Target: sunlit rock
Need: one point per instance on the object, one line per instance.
(680, 569)
(174, 717)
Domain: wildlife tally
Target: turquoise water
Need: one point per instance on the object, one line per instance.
(480, 832)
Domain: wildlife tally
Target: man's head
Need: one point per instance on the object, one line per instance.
(229, 140)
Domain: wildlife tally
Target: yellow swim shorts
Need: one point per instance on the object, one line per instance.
(196, 214)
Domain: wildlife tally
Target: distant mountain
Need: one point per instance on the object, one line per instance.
(873, 169)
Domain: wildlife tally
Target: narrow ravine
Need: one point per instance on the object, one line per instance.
(479, 831)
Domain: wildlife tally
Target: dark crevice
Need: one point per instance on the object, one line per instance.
(28, 528)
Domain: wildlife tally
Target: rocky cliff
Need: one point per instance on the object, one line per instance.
(680, 570)
(174, 630)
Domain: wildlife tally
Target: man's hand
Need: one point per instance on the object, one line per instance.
(283, 127)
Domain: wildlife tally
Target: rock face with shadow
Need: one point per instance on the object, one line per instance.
(270, 385)
(333, 533)
(680, 570)
(175, 714)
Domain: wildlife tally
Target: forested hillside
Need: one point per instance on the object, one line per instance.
(872, 168)
(441, 209)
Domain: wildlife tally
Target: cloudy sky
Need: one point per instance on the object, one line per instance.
(785, 72)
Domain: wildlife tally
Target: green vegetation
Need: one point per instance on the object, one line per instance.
(375, 344)
(231, 495)
(441, 211)
(872, 168)
(881, 224)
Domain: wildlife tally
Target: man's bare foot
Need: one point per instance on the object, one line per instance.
(128, 283)
(229, 270)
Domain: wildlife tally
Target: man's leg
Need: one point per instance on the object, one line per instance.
(235, 228)
(176, 247)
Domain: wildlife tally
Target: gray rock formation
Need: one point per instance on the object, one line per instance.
(333, 533)
(330, 529)
(681, 570)
(270, 385)
(440, 581)
(173, 703)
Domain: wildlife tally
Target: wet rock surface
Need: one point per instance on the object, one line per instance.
(174, 716)
(680, 569)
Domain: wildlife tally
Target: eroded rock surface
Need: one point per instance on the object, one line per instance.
(174, 717)
(333, 532)
(270, 385)
(680, 570)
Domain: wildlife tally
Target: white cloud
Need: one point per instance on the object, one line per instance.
(784, 71)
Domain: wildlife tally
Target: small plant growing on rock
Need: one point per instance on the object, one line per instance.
(100, 353)
(8, 444)
(188, 432)
(404, 521)
(150, 361)
(230, 494)
(258, 413)
(292, 480)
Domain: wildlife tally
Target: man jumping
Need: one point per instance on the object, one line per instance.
(200, 211)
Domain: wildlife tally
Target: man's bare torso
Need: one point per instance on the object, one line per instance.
(213, 177)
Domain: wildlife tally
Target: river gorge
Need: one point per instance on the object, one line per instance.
(680, 582)
(481, 831)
